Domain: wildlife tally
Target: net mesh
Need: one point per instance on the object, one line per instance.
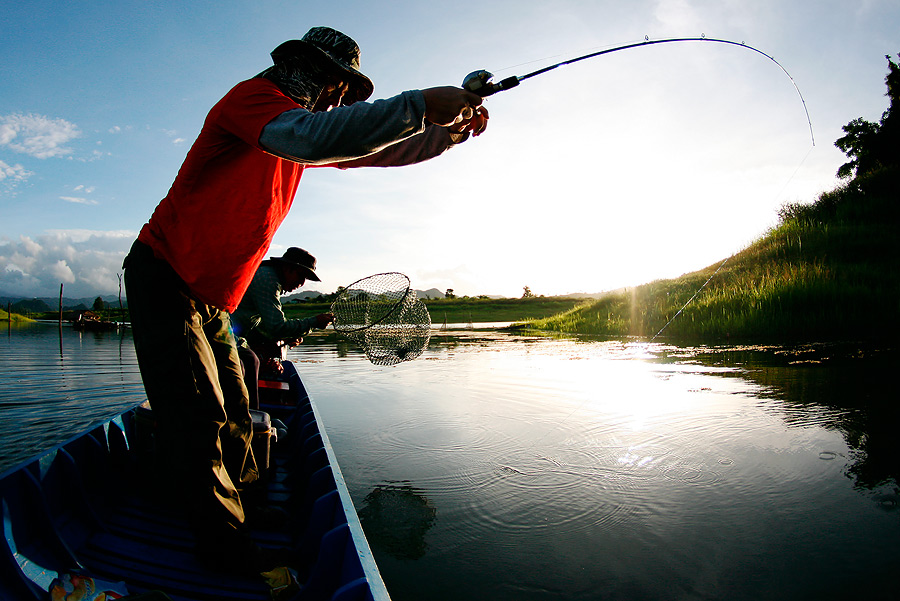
(384, 316)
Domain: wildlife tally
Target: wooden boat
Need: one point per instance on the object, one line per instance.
(78, 509)
(88, 320)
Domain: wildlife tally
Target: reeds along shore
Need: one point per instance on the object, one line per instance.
(828, 271)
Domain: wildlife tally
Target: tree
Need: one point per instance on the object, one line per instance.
(449, 293)
(527, 293)
(871, 146)
(857, 145)
(98, 304)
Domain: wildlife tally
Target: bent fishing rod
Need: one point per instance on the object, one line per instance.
(479, 82)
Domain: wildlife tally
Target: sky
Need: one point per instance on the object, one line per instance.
(615, 171)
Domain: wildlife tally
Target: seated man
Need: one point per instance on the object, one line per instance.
(259, 323)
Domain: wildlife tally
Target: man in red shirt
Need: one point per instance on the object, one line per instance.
(199, 251)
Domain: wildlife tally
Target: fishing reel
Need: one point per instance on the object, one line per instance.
(479, 82)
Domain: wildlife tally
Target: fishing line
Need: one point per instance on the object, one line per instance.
(783, 188)
(479, 82)
(582, 404)
(790, 179)
(699, 290)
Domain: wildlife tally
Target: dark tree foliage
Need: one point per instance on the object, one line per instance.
(872, 146)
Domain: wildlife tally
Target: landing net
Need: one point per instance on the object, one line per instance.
(384, 316)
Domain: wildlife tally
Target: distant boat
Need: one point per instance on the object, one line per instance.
(82, 511)
(88, 320)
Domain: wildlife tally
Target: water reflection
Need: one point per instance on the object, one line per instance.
(48, 395)
(572, 469)
(847, 388)
(396, 517)
(526, 467)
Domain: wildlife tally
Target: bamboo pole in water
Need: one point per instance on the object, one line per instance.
(60, 304)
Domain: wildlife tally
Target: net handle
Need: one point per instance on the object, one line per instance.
(399, 302)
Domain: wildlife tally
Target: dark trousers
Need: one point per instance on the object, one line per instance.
(193, 378)
(250, 363)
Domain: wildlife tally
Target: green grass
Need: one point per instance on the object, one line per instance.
(14, 317)
(829, 271)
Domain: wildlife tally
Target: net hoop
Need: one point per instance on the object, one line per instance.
(345, 296)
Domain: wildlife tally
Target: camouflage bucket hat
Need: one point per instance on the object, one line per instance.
(334, 49)
(299, 259)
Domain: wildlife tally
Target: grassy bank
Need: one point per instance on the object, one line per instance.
(465, 310)
(14, 317)
(827, 272)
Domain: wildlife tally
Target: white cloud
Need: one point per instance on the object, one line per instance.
(61, 271)
(79, 200)
(177, 141)
(81, 189)
(36, 135)
(87, 262)
(12, 175)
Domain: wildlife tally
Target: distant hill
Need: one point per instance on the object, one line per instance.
(48, 303)
(430, 293)
(314, 294)
(300, 296)
(34, 305)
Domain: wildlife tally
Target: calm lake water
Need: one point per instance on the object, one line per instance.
(508, 467)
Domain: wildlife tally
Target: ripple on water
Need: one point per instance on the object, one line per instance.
(569, 488)
(511, 500)
(435, 437)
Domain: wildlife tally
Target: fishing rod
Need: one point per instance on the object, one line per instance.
(479, 82)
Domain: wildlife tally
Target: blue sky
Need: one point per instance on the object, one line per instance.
(615, 171)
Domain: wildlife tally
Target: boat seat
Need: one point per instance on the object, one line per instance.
(309, 430)
(357, 590)
(337, 562)
(33, 552)
(121, 461)
(302, 501)
(67, 500)
(298, 428)
(310, 457)
(326, 514)
(92, 457)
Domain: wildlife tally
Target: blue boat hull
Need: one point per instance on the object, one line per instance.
(79, 507)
